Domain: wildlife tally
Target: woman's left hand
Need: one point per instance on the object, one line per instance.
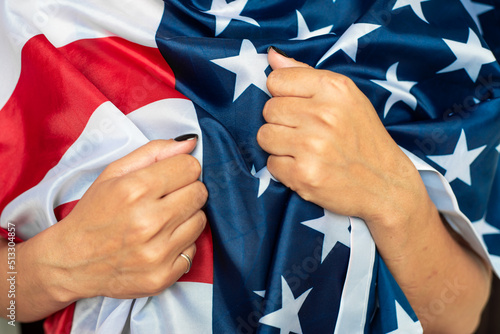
(328, 144)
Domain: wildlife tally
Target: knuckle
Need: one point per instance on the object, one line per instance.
(269, 109)
(272, 79)
(303, 173)
(148, 256)
(307, 174)
(154, 145)
(335, 81)
(194, 249)
(198, 194)
(272, 165)
(155, 283)
(275, 167)
(130, 187)
(326, 115)
(317, 146)
(192, 164)
(167, 277)
(201, 221)
(344, 82)
(169, 215)
(305, 194)
(141, 229)
(326, 79)
(266, 111)
(263, 134)
(202, 191)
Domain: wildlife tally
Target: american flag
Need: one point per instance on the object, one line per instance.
(86, 83)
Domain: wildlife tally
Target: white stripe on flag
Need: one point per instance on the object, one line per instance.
(167, 119)
(356, 292)
(66, 21)
(184, 308)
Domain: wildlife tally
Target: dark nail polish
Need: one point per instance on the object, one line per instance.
(189, 136)
(279, 51)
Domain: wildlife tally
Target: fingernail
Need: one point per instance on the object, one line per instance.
(189, 136)
(279, 51)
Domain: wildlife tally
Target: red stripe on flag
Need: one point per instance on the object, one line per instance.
(60, 322)
(129, 75)
(203, 263)
(64, 209)
(57, 92)
(5, 234)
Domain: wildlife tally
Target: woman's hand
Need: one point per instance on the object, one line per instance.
(124, 237)
(328, 144)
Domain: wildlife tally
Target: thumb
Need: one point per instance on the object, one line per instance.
(279, 59)
(148, 154)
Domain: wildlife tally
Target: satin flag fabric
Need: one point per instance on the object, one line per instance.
(83, 84)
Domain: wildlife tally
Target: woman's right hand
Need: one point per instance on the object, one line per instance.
(124, 237)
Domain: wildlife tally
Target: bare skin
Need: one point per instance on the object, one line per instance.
(122, 239)
(349, 152)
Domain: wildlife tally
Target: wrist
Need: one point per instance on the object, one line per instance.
(39, 292)
(48, 264)
(404, 210)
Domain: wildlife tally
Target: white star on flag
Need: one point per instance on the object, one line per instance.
(458, 163)
(261, 293)
(475, 9)
(225, 12)
(471, 56)
(304, 32)
(400, 90)
(335, 229)
(286, 318)
(483, 228)
(495, 261)
(498, 148)
(264, 177)
(249, 67)
(406, 325)
(348, 41)
(416, 6)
